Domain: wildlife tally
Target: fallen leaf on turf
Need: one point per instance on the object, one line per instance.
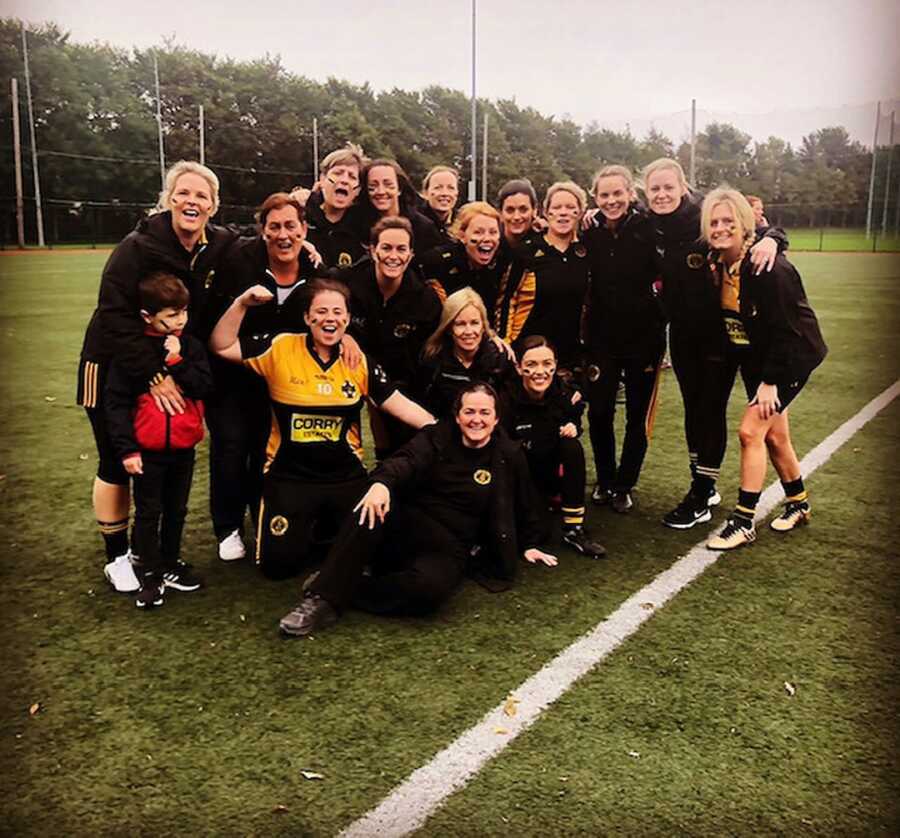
(82, 456)
(509, 706)
(789, 688)
(647, 606)
(634, 754)
(2, 477)
(243, 619)
(49, 398)
(312, 775)
(281, 808)
(35, 708)
(500, 730)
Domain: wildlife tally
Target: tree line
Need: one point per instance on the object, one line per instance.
(95, 115)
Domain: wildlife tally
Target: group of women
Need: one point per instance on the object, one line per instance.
(477, 335)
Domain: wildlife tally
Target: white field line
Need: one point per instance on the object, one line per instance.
(413, 801)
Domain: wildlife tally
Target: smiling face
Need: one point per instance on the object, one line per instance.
(613, 196)
(467, 331)
(517, 212)
(563, 213)
(167, 321)
(442, 192)
(340, 186)
(477, 418)
(726, 234)
(537, 367)
(327, 318)
(481, 238)
(284, 234)
(664, 191)
(392, 254)
(384, 189)
(191, 204)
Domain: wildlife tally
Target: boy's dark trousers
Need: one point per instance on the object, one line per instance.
(160, 507)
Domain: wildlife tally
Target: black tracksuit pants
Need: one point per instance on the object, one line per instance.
(160, 507)
(238, 418)
(706, 376)
(416, 564)
(641, 377)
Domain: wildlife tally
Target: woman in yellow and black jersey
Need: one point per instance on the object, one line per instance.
(314, 455)
(544, 291)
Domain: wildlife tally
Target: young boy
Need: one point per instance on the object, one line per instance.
(157, 449)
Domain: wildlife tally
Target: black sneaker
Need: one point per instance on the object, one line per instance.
(579, 538)
(181, 577)
(690, 511)
(311, 615)
(621, 502)
(601, 495)
(152, 593)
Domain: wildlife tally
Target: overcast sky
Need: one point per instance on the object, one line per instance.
(610, 62)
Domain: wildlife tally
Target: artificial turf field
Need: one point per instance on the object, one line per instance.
(198, 718)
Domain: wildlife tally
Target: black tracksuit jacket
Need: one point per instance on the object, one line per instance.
(536, 422)
(447, 269)
(338, 243)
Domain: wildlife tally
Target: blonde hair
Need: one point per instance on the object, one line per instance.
(183, 167)
(436, 170)
(350, 155)
(613, 170)
(739, 205)
(453, 305)
(467, 212)
(665, 163)
(566, 186)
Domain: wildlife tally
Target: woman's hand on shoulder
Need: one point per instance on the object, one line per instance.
(375, 505)
(534, 555)
(762, 255)
(351, 354)
(504, 347)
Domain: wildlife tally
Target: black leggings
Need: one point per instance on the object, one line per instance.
(706, 376)
(416, 564)
(641, 377)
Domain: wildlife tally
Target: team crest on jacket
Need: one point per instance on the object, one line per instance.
(580, 251)
(345, 260)
(593, 373)
(694, 261)
(482, 477)
(209, 279)
(278, 525)
(401, 330)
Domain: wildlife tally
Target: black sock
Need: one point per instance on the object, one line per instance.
(794, 491)
(746, 506)
(115, 537)
(703, 486)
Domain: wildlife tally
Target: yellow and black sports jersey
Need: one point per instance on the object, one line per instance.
(316, 407)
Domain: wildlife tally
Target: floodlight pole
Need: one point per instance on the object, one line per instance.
(887, 179)
(693, 142)
(202, 138)
(38, 211)
(17, 154)
(159, 130)
(315, 151)
(484, 160)
(872, 174)
(473, 184)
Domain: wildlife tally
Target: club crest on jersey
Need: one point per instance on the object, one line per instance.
(209, 279)
(694, 261)
(401, 330)
(348, 388)
(593, 372)
(278, 525)
(482, 477)
(580, 251)
(345, 260)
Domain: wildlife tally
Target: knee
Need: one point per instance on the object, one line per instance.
(777, 438)
(436, 581)
(750, 435)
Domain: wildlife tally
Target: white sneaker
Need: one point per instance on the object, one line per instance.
(120, 574)
(231, 548)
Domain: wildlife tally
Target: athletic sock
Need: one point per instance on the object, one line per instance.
(573, 516)
(115, 537)
(692, 457)
(703, 486)
(746, 507)
(794, 491)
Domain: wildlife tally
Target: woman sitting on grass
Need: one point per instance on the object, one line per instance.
(768, 318)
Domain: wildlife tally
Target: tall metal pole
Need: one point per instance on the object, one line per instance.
(473, 184)
(887, 179)
(872, 174)
(202, 138)
(315, 151)
(693, 173)
(17, 154)
(159, 130)
(484, 160)
(38, 209)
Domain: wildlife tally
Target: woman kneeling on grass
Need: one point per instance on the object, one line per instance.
(455, 488)
(313, 467)
(768, 318)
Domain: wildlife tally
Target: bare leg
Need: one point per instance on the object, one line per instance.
(111, 501)
(753, 432)
(781, 449)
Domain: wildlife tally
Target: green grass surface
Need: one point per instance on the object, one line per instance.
(198, 719)
(841, 239)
